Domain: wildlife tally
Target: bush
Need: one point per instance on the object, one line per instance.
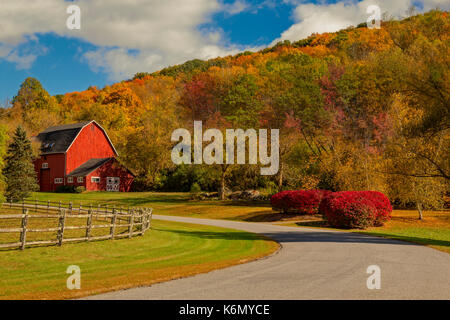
(70, 189)
(64, 189)
(356, 209)
(298, 201)
(79, 189)
(382, 205)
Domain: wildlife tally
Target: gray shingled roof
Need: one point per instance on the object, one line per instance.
(88, 167)
(59, 138)
(66, 127)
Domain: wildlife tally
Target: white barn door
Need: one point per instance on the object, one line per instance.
(112, 184)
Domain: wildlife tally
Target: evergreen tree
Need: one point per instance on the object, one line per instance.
(3, 141)
(19, 173)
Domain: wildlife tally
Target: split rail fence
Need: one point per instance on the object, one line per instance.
(118, 223)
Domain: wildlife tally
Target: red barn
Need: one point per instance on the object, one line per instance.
(80, 154)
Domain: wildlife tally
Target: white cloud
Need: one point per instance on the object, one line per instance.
(236, 7)
(131, 36)
(147, 35)
(317, 18)
(23, 58)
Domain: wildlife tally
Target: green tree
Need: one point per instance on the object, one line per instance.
(35, 106)
(31, 95)
(19, 172)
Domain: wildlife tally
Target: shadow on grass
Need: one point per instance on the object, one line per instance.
(245, 203)
(318, 223)
(214, 235)
(425, 241)
(140, 201)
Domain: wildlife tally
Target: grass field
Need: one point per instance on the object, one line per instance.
(168, 251)
(433, 231)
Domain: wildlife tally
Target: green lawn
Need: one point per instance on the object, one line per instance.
(169, 250)
(177, 204)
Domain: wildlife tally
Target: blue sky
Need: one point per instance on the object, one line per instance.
(116, 40)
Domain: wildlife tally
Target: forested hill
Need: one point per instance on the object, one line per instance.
(348, 105)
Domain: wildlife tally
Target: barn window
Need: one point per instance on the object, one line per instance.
(59, 180)
(70, 180)
(113, 180)
(95, 179)
(80, 180)
(45, 165)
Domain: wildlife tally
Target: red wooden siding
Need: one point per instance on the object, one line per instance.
(55, 168)
(90, 143)
(110, 169)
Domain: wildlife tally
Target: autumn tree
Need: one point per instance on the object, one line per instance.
(35, 106)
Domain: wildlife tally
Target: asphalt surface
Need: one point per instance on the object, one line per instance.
(311, 264)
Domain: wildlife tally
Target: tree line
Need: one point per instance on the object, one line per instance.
(358, 109)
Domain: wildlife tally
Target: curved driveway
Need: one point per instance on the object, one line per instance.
(312, 264)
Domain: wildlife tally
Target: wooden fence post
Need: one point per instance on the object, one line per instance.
(48, 205)
(113, 223)
(89, 225)
(141, 220)
(60, 205)
(150, 213)
(70, 207)
(145, 224)
(23, 234)
(130, 230)
(62, 224)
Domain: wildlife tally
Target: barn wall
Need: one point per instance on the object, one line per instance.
(110, 169)
(90, 143)
(75, 182)
(56, 169)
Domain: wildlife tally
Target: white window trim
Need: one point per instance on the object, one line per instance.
(59, 180)
(69, 179)
(112, 178)
(94, 179)
(45, 165)
(80, 179)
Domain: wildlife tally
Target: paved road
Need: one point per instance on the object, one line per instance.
(312, 264)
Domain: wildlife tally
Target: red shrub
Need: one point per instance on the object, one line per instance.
(298, 201)
(382, 205)
(356, 209)
(349, 209)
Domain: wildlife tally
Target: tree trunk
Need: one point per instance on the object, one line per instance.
(222, 188)
(222, 183)
(419, 208)
(280, 177)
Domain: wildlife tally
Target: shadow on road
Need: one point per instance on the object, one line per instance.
(299, 236)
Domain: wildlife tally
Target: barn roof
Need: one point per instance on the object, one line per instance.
(58, 139)
(88, 167)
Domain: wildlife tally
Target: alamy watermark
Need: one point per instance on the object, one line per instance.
(74, 280)
(374, 20)
(235, 139)
(73, 22)
(374, 280)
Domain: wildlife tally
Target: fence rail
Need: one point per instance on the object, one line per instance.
(133, 222)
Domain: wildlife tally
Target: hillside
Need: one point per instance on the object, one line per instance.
(348, 105)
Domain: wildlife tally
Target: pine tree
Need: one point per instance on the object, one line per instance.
(19, 171)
